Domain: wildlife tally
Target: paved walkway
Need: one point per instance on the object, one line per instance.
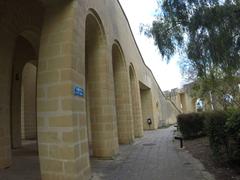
(154, 157)
(25, 165)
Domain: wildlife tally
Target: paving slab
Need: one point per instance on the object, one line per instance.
(25, 164)
(156, 156)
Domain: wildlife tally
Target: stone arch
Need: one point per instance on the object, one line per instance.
(19, 19)
(101, 114)
(23, 73)
(122, 96)
(24, 14)
(28, 102)
(149, 109)
(32, 34)
(136, 102)
(94, 18)
(24, 52)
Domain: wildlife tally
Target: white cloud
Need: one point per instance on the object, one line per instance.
(142, 11)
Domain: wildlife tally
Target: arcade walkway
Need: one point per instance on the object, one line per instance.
(25, 165)
(154, 157)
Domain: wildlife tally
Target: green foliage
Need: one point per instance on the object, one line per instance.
(233, 124)
(207, 34)
(191, 125)
(218, 87)
(218, 139)
(206, 30)
(214, 40)
(222, 129)
(232, 128)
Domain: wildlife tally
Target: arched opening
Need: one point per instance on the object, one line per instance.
(183, 102)
(23, 53)
(147, 107)
(20, 28)
(136, 103)
(122, 97)
(28, 103)
(23, 107)
(193, 104)
(101, 115)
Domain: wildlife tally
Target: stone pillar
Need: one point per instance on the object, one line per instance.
(100, 85)
(6, 53)
(147, 108)
(123, 98)
(138, 110)
(62, 132)
(16, 105)
(124, 110)
(136, 104)
(156, 111)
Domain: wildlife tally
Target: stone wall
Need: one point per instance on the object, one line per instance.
(78, 45)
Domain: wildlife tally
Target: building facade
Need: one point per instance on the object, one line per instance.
(183, 98)
(72, 77)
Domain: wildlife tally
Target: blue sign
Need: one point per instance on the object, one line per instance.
(78, 91)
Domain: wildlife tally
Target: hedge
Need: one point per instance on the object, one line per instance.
(222, 129)
(232, 128)
(191, 125)
(224, 135)
(215, 127)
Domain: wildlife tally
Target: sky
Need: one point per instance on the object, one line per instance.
(139, 12)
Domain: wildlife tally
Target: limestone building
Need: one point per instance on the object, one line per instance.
(182, 98)
(72, 78)
(185, 100)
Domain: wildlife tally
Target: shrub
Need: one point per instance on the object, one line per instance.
(233, 125)
(232, 128)
(222, 128)
(191, 125)
(215, 127)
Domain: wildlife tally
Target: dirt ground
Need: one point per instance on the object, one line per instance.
(200, 149)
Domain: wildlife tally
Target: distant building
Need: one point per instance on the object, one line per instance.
(182, 98)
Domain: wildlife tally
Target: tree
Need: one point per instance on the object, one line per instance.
(208, 33)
